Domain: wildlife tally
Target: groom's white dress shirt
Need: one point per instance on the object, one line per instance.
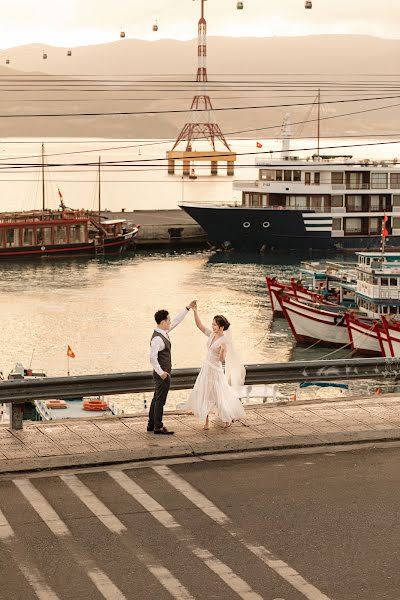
(157, 343)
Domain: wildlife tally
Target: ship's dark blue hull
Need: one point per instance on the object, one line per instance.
(269, 229)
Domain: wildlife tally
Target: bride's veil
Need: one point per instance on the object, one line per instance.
(234, 369)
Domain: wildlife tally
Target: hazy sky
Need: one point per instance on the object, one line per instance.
(83, 22)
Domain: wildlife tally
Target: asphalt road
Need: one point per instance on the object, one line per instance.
(314, 526)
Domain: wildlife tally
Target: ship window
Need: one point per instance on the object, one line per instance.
(374, 225)
(43, 236)
(60, 235)
(298, 201)
(27, 236)
(255, 200)
(374, 203)
(395, 180)
(296, 175)
(307, 178)
(393, 282)
(264, 200)
(353, 225)
(393, 310)
(279, 175)
(384, 281)
(379, 180)
(317, 178)
(246, 199)
(11, 237)
(396, 222)
(267, 175)
(336, 224)
(336, 177)
(287, 175)
(75, 233)
(354, 203)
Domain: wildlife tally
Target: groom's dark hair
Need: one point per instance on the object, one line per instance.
(161, 315)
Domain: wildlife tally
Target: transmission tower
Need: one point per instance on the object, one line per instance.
(202, 125)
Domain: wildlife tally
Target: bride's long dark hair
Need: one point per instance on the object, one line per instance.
(222, 321)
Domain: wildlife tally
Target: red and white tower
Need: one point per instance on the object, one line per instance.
(202, 125)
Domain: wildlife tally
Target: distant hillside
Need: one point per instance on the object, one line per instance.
(298, 66)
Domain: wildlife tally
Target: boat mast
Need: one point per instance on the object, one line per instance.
(99, 194)
(43, 185)
(319, 121)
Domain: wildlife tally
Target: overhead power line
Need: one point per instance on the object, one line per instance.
(178, 111)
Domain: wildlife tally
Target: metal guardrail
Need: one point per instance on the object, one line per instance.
(20, 391)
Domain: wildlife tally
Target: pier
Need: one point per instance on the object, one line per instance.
(163, 228)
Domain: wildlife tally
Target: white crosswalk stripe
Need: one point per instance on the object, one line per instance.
(5, 529)
(100, 510)
(236, 583)
(46, 512)
(42, 590)
(93, 503)
(204, 504)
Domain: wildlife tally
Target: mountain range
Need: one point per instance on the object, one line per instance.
(134, 76)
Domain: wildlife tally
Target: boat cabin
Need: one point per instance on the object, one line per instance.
(43, 228)
(378, 283)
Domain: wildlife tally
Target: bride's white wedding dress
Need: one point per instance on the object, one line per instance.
(212, 393)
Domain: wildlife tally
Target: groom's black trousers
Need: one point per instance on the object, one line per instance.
(157, 404)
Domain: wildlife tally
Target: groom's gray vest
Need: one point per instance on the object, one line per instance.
(164, 357)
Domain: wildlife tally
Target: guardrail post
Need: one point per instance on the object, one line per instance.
(16, 414)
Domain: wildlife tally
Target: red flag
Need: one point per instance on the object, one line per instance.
(384, 230)
(70, 352)
(60, 194)
(259, 145)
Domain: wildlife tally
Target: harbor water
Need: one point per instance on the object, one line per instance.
(103, 308)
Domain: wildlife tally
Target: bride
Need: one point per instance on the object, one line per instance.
(214, 390)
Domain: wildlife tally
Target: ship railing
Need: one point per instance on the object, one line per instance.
(358, 186)
(218, 203)
(239, 204)
(17, 392)
(253, 183)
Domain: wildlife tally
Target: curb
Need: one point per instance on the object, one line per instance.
(109, 458)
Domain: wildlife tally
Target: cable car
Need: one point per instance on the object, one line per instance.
(44, 55)
(239, 5)
(308, 4)
(69, 53)
(122, 34)
(155, 26)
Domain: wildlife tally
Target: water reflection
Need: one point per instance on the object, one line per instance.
(103, 308)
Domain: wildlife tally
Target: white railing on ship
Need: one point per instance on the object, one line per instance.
(238, 204)
(44, 412)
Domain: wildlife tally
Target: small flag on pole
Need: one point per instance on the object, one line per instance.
(384, 229)
(259, 145)
(60, 194)
(70, 352)
(384, 233)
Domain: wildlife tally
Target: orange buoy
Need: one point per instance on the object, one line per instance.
(95, 405)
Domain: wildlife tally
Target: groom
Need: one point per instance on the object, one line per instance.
(160, 358)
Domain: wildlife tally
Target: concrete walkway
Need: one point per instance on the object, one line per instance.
(122, 439)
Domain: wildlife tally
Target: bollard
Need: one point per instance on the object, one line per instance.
(16, 416)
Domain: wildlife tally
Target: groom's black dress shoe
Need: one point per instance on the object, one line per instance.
(164, 431)
(150, 427)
